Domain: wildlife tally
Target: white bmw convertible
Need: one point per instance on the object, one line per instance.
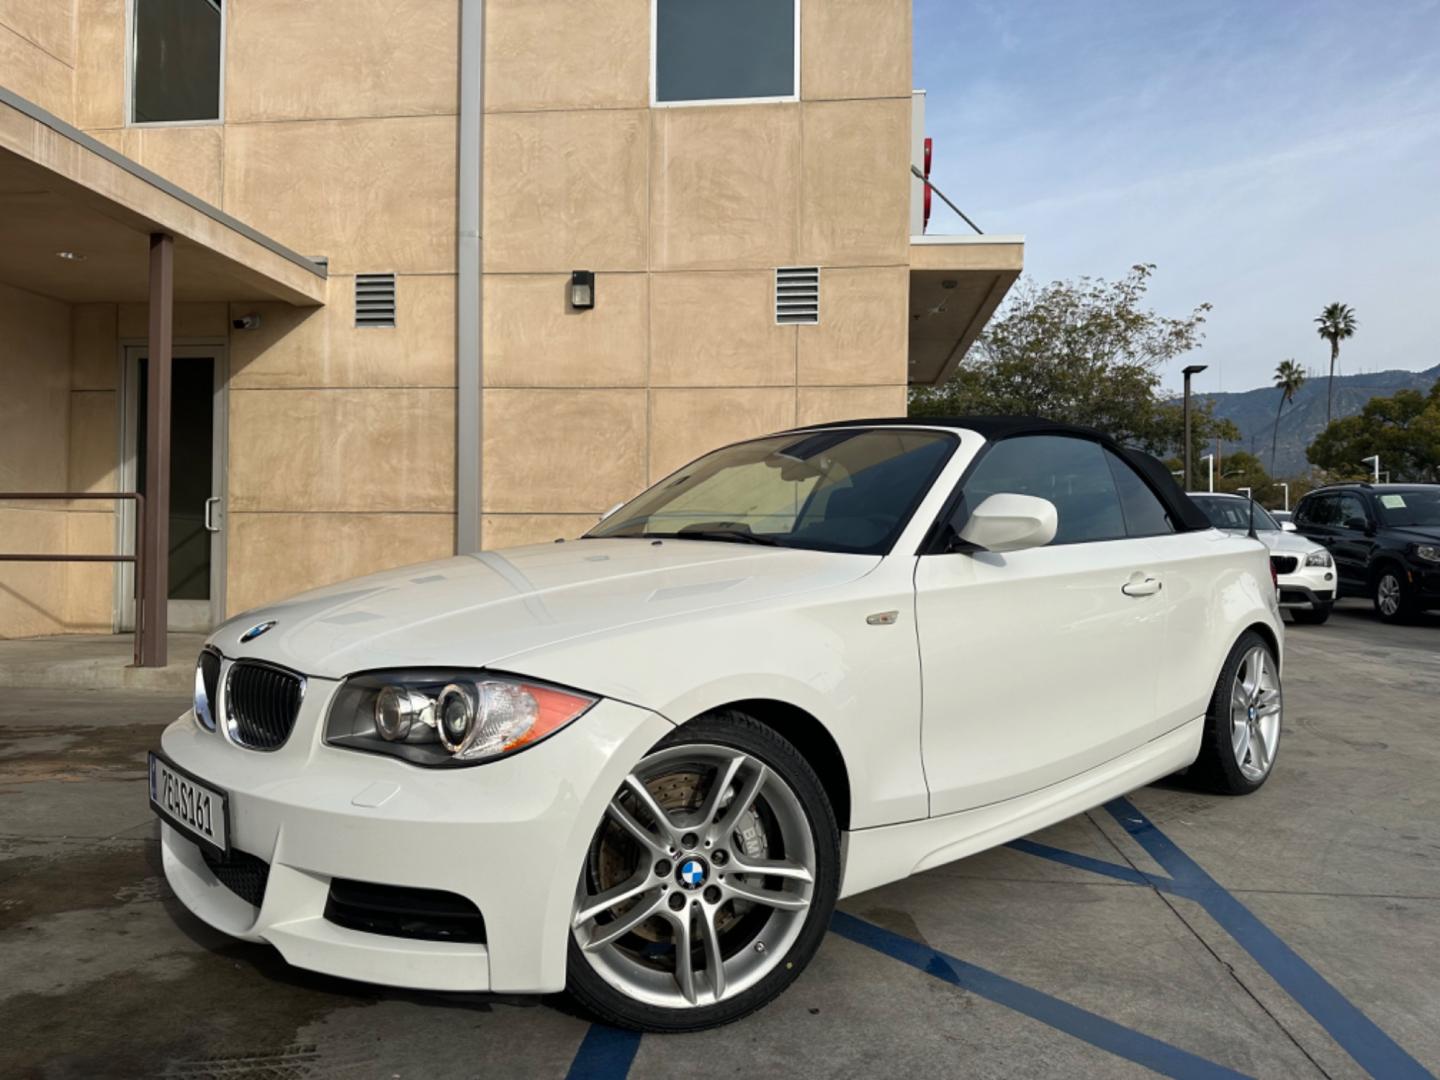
(644, 765)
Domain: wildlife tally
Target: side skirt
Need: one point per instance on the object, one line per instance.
(886, 853)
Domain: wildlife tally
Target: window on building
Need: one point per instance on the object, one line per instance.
(725, 50)
(175, 73)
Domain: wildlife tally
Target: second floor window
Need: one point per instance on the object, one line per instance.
(175, 61)
(725, 50)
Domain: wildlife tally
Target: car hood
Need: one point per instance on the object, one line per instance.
(1287, 543)
(1415, 534)
(476, 610)
(1281, 543)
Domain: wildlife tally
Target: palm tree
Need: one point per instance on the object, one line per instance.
(1336, 323)
(1289, 377)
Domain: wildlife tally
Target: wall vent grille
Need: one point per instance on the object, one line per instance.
(374, 299)
(797, 295)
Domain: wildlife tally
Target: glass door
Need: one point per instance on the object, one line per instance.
(197, 446)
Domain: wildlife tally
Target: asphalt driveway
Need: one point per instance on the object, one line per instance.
(1293, 933)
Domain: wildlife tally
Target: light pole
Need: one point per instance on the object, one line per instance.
(1209, 459)
(1193, 369)
(1374, 459)
(1286, 486)
(1246, 490)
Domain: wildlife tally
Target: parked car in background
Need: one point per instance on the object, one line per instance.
(1304, 570)
(646, 764)
(1385, 539)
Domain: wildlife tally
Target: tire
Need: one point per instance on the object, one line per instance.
(1390, 591)
(1314, 615)
(1232, 762)
(628, 973)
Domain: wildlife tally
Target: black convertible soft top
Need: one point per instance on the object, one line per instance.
(1185, 514)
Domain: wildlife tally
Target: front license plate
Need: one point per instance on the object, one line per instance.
(196, 809)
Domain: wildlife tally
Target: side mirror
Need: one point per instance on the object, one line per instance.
(1287, 526)
(607, 513)
(1359, 524)
(1007, 522)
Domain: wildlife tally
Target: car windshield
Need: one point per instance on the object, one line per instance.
(1410, 507)
(845, 491)
(1232, 513)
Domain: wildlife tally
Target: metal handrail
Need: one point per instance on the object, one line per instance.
(137, 558)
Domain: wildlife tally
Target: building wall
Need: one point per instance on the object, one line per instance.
(38, 54)
(34, 429)
(683, 213)
(341, 440)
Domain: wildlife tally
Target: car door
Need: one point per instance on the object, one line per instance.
(1037, 664)
(1352, 540)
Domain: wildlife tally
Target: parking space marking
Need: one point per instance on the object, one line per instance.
(1357, 1034)
(1089, 1027)
(606, 1053)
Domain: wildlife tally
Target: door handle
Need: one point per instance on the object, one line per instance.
(1142, 586)
(210, 505)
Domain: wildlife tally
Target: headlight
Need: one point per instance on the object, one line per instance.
(1319, 558)
(441, 718)
(207, 682)
(1428, 552)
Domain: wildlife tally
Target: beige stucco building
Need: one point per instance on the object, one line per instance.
(713, 181)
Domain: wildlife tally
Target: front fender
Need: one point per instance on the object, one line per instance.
(818, 654)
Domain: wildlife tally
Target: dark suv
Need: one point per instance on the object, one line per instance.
(1385, 539)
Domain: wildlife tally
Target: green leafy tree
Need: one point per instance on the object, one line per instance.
(1242, 469)
(1404, 430)
(1086, 352)
(1289, 377)
(1336, 322)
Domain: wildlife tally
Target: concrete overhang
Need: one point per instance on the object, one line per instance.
(956, 283)
(61, 190)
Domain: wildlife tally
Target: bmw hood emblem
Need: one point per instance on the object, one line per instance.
(255, 631)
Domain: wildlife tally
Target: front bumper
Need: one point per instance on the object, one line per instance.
(1426, 583)
(1307, 586)
(510, 836)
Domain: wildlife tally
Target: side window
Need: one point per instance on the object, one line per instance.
(1319, 510)
(730, 51)
(1072, 473)
(1145, 514)
(175, 70)
(1350, 507)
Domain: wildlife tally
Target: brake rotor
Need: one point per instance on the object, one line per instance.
(615, 858)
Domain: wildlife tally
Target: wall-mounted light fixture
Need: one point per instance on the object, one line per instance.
(582, 289)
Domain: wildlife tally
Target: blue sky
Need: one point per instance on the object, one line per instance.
(1269, 156)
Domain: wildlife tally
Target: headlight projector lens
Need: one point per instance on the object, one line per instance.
(398, 711)
(455, 716)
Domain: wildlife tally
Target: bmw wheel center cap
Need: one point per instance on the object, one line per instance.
(692, 873)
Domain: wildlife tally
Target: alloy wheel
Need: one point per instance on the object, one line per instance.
(699, 879)
(1255, 708)
(1387, 595)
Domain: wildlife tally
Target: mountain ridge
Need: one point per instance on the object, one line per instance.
(1253, 412)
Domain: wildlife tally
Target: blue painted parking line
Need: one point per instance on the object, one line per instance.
(1092, 864)
(605, 1054)
(1360, 1037)
(1084, 1025)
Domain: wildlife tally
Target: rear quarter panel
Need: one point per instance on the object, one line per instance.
(1219, 584)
